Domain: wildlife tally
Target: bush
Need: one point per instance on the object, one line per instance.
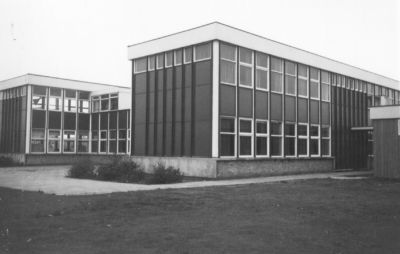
(118, 170)
(6, 161)
(162, 175)
(83, 169)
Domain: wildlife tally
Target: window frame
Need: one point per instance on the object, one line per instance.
(304, 137)
(246, 134)
(135, 65)
(329, 138)
(246, 65)
(69, 139)
(291, 75)
(41, 139)
(318, 138)
(281, 136)
(262, 135)
(221, 59)
(261, 68)
(229, 133)
(195, 52)
(315, 81)
(276, 72)
(61, 148)
(294, 137)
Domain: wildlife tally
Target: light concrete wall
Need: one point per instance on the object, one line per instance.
(269, 167)
(189, 166)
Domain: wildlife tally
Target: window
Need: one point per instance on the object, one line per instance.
(370, 147)
(261, 138)
(160, 61)
(276, 75)
(290, 78)
(314, 140)
(228, 64)
(140, 65)
(37, 141)
(151, 63)
(105, 103)
(95, 141)
(95, 104)
(202, 52)
(70, 101)
(245, 137)
(112, 141)
(39, 94)
(302, 140)
(314, 83)
(302, 80)
(178, 57)
(83, 141)
(325, 141)
(69, 141)
(122, 141)
(103, 141)
(325, 88)
(276, 138)
(168, 59)
(54, 141)
(290, 139)
(188, 55)
(228, 131)
(114, 101)
(55, 99)
(245, 67)
(262, 71)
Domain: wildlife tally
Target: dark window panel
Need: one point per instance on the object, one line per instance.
(276, 107)
(38, 119)
(314, 112)
(290, 108)
(84, 121)
(113, 120)
(69, 121)
(104, 121)
(261, 107)
(228, 100)
(54, 120)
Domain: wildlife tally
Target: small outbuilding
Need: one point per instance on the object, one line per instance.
(386, 124)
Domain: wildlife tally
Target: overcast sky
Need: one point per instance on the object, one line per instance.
(88, 39)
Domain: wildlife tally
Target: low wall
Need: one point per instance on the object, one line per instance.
(270, 167)
(189, 166)
(17, 157)
(65, 159)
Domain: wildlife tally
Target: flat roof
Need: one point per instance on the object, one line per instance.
(41, 80)
(222, 32)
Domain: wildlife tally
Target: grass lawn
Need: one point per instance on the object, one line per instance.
(313, 216)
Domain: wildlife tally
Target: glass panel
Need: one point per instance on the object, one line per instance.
(122, 134)
(228, 52)
(302, 130)
(290, 85)
(69, 146)
(69, 105)
(261, 146)
(69, 134)
(113, 135)
(103, 135)
(140, 64)
(104, 104)
(70, 93)
(188, 55)
(245, 145)
(325, 132)
(325, 146)
(262, 127)
(325, 92)
(114, 103)
(261, 60)
(38, 102)
(245, 126)
(302, 70)
(314, 92)
(95, 146)
(314, 131)
(54, 134)
(168, 59)
(178, 57)
(290, 146)
(38, 134)
(228, 72)
(55, 91)
(95, 135)
(53, 146)
(276, 64)
(302, 87)
(83, 135)
(290, 129)
(37, 146)
(290, 68)
(276, 128)
(314, 146)
(262, 79)
(160, 61)
(122, 146)
(325, 77)
(227, 125)
(314, 73)
(152, 62)
(302, 146)
(83, 95)
(246, 75)
(227, 145)
(83, 106)
(39, 90)
(54, 103)
(276, 82)
(245, 56)
(202, 52)
(103, 146)
(276, 146)
(83, 146)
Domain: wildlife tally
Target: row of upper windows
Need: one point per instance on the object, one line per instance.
(196, 53)
(105, 102)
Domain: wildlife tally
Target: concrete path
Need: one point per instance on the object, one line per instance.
(52, 180)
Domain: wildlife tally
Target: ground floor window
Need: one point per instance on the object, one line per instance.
(245, 137)
(228, 131)
(83, 141)
(276, 138)
(37, 141)
(69, 141)
(54, 141)
(302, 139)
(325, 141)
(314, 140)
(290, 139)
(103, 141)
(261, 138)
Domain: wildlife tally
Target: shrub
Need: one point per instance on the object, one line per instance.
(162, 175)
(6, 161)
(83, 169)
(118, 170)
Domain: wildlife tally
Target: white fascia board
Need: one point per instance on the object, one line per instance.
(218, 31)
(33, 79)
(385, 112)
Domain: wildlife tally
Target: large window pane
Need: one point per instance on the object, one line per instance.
(276, 82)
(246, 75)
(245, 56)
(245, 126)
(202, 52)
(262, 79)
(314, 147)
(290, 146)
(227, 145)
(227, 125)
(261, 60)
(228, 52)
(290, 85)
(302, 146)
(228, 72)
(261, 146)
(276, 128)
(276, 64)
(314, 91)
(276, 146)
(302, 87)
(245, 145)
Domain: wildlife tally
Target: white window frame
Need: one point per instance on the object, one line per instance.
(65, 139)
(88, 107)
(307, 83)
(83, 140)
(122, 139)
(185, 50)
(262, 135)
(44, 100)
(150, 60)
(60, 98)
(166, 57)
(248, 65)
(160, 61)
(221, 59)
(318, 138)
(304, 137)
(104, 140)
(315, 81)
(176, 58)
(276, 135)
(293, 76)
(262, 68)
(93, 100)
(52, 139)
(234, 133)
(247, 134)
(291, 136)
(114, 139)
(43, 139)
